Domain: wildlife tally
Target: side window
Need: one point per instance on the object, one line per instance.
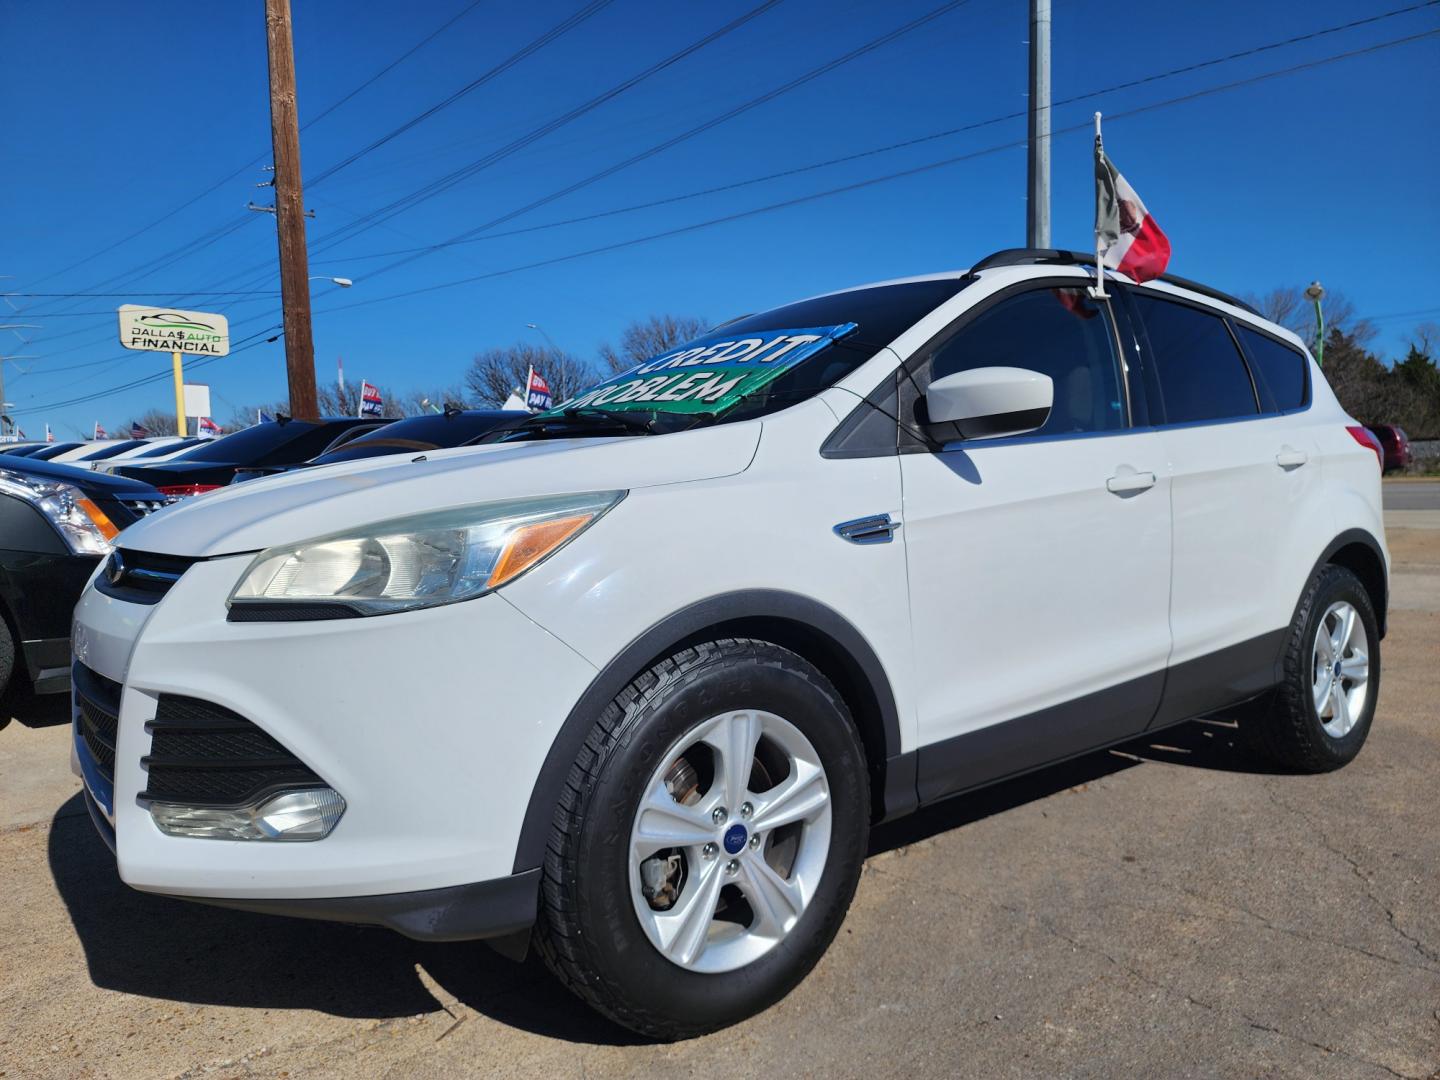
(1057, 332)
(1280, 369)
(1201, 373)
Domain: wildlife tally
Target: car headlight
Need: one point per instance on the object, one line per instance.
(83, 526)
(414, 562)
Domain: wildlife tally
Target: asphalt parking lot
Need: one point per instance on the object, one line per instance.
(1171, 908)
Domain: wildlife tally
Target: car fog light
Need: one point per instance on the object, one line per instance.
(291, 815)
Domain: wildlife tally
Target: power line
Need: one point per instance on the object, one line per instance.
(470, 237)
(449, 180)
(495, 72)
(1085, 126)
(236, 223)
(900, 174)
(698, 129)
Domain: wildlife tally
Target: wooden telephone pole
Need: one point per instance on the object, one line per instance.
(290, 213)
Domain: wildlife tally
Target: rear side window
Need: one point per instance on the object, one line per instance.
(1279, 369)
(1201, 373)
(1057, 332)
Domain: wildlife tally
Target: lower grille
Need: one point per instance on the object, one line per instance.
(98, 702)
(202, 754)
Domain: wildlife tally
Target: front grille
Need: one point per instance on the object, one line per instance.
(98, 702)
(144, 507)
(141, 577)
(203, 754)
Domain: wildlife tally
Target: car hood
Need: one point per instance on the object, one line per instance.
(314, 502)
(92, 483)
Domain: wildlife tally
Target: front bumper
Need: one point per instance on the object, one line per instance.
(432, 724)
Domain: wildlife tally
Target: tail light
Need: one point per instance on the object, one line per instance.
(180, 491)
(1359, 434)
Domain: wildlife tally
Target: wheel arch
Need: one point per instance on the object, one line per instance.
(808, 628)
(1361, 554)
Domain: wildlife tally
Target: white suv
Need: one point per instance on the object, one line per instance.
(641, 675)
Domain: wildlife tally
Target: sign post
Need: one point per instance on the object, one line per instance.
(179, 395)
(176, 332)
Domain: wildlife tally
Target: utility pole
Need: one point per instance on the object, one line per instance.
(1037, 204)
(290, 213)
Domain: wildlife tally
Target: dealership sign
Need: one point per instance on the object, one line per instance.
(171, 330)
(708, 375)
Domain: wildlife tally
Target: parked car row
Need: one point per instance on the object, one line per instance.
(63, 504)
(632, 681)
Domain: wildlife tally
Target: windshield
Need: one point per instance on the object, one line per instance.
(54, 450)
(170, 448)
(256, 445)
(113, 449)
(421, 433)
(748, 367)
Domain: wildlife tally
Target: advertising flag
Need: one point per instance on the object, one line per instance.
(263, 417)
(49, 435)
(537, 391)
(99, 432)
(371, 404)
(139, 431)
(207, 428)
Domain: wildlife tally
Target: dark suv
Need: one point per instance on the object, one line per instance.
(56, 523)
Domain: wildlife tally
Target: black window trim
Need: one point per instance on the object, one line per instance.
(1308, 397)
(1142, 338)
(926, 353)
(905, 370)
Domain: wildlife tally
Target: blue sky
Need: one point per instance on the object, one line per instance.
(116, 116)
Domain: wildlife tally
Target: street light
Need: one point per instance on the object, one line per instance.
(343, 282)
(541, 331)
(1316, 292)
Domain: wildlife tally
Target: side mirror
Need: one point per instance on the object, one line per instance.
(989, 402)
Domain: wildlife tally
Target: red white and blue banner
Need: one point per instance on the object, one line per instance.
(207, 428)
(371, 403)
(139, 431)
(99, 432)
(537, 391)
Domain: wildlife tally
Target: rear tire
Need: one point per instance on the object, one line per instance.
(1321, 713)
(600, 929)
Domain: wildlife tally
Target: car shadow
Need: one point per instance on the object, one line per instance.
(157, 947)
(153, 946)
(34, 710)
(1212, 743)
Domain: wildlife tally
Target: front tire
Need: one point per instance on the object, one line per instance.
(1322, 711)
(708, 841)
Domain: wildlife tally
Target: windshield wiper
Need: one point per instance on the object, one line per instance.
(619, 419)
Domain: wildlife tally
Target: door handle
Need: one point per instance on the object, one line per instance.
(875, 529)
(1129, 482)
(1290, 458)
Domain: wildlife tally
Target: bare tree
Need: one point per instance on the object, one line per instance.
(650, 337)
(496, 373)
(250, 414)
(1292, 309)
(419, 402)
(335, 400)
(154, 421)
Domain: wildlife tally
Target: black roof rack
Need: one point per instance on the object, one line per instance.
(1057, 256)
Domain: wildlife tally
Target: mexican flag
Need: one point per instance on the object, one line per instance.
(1126, 235)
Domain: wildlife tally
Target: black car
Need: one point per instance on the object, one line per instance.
(56, 523)
(45, 451)
(413, 435)
(213, 465)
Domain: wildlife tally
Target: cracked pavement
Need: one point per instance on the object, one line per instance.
(1171, 908)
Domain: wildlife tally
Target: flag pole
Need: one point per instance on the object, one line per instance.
(1100, 293)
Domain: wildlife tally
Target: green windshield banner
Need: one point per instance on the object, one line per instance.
(708, 375)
